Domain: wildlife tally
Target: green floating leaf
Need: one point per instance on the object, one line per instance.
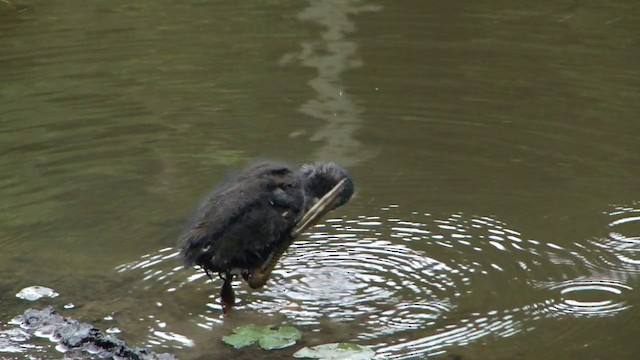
(245, 335)
(348, 346)
(290, 331)
(285, 336)
(336, 351)
(238, 340)
(252, 330)
(268, 338)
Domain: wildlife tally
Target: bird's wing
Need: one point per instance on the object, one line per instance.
(221, 209)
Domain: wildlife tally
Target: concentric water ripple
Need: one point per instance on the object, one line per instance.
(464, 331)
(585, 297)
(348, 280)
(392, 278)
(620, 250)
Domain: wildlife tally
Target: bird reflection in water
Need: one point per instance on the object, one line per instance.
(245, 225)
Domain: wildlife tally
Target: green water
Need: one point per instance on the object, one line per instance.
(494, 148)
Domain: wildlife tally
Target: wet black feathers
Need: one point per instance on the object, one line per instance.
(240, 223)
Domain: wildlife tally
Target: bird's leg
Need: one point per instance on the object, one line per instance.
(206, 271)
(245, 275)
(259, 276)
(227, 295)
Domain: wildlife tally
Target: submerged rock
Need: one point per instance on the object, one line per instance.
(74, 336)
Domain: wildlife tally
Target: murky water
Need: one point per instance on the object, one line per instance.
(494, 147)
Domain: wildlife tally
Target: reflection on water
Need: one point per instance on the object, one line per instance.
(331, 56)
(418, 285)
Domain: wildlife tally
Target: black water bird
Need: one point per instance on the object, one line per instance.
(246, 224)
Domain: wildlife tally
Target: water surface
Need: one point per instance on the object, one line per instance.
(494, 148)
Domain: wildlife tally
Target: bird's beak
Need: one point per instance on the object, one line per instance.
(259, 276)
(319, 209)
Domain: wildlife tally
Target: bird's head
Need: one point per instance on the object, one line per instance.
(321, 177)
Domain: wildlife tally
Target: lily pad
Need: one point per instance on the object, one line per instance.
(266, 336)
(336, 351)
(284, 337)
(251, 330)
(239, 340)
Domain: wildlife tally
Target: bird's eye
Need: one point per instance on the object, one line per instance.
(286, 186)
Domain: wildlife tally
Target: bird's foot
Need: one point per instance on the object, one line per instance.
(227, 295)
(257, 278)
